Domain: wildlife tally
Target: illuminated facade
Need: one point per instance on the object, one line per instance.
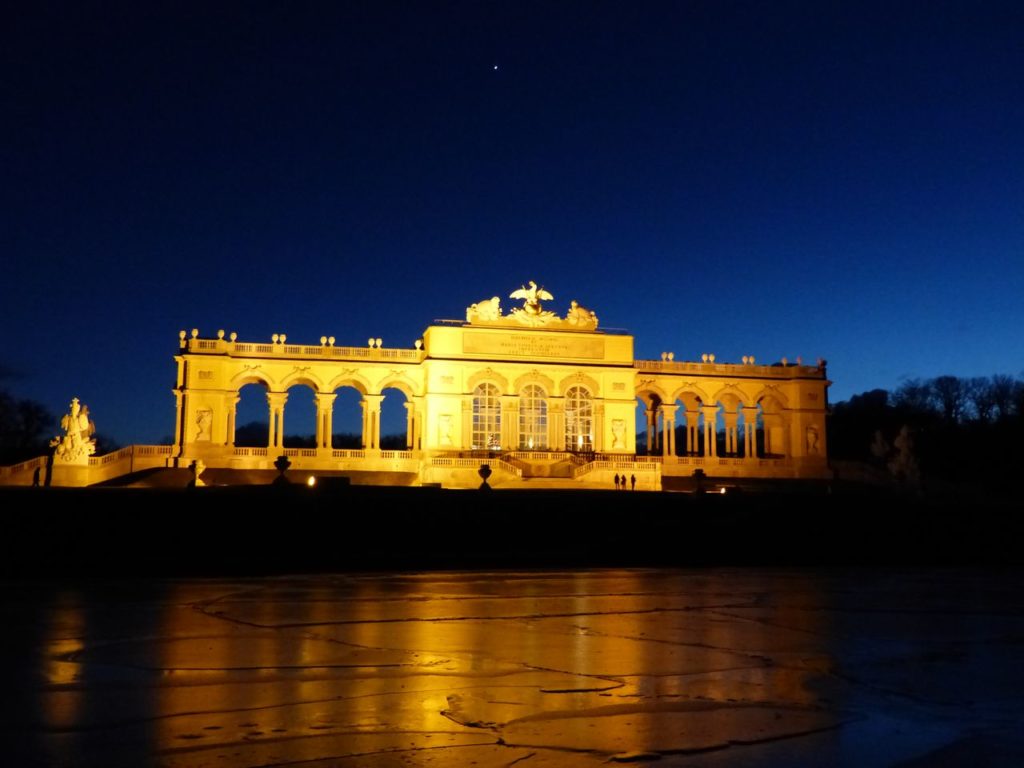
(545, 400)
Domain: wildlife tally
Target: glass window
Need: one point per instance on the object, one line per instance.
(579, 420)
(486, 418)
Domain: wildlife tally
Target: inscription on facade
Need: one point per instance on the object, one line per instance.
(532, 345)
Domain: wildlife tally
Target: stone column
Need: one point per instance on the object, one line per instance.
(371, 421)
(229, 438)
(275, 404)
(668, 427)
(652, 427)
(597, 439)
(556, 423)
(467, 423)
(692, 431)
(749, 432)
(418, 422)
(710, 433)
(324, 419)
(509, 422)
(179, 405)
(731, 431)
(410, 425)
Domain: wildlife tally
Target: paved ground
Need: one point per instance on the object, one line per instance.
(534, 669)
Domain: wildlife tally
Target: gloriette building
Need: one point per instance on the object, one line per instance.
(546, 400)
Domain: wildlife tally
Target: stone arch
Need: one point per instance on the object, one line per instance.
(580, 379)
(647, 390)
(772, 393)
(304, 379)
(731, 395)
(491, 377)
(401, 382)
(534, 377)
(689, 387)
(349, 379)
(250, 376)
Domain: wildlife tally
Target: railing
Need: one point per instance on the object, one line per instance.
(734, 369)
(452, 461)
(252, 451)
(310, 452)
(633, 466)
(248, 349)
(348, 453)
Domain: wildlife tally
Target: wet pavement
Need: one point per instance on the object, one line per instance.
(706, 667)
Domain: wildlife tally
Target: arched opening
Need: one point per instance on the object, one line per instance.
(579, 419)
(486, 430)
(347, 419)
(394, 419)
(251, 427)
(690, 425)
(299, 427)
(533, 418)
(729, 415)
(647, 431)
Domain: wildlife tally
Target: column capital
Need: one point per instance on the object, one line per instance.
(324, 398)
(669, 411)
(277, 398)
(709, 410)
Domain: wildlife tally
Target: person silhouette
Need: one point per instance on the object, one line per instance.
(632, 482)
(617, 481)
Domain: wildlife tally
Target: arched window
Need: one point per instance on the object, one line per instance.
(533, 419)
(579, 420)
(486, 418)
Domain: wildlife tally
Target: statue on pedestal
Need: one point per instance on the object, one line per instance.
(76, 445)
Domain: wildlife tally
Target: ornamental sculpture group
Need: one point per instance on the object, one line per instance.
(76, 445)
(531, 314)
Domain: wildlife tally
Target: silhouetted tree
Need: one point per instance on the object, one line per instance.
(950, 395)
(25, 429)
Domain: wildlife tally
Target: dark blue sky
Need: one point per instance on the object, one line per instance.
(775, 179)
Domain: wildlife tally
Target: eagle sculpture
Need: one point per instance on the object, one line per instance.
(532, 297)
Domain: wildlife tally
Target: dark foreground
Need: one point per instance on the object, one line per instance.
(667, 668)
(267, 530)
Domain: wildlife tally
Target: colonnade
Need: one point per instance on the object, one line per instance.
(370, 404)
(666, 414)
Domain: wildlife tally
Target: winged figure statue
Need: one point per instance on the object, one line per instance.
(532, 297)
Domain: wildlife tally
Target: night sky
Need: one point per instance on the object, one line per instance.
(775, 179)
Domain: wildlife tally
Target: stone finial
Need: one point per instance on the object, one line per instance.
(671, 356)
(711, 358)
(785, 361)
(745, 359)
(418, 343)
(704, 357)
(664, 356)
(330, 341)
(323, 341)
(274, 338)
(182, 335)
(195, 333)
(283, 338)
(220, 334)
(369, 343)
(378, 342)
(233, 336)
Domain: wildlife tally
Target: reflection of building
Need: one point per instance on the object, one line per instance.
(547, 401)
(534, 394)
